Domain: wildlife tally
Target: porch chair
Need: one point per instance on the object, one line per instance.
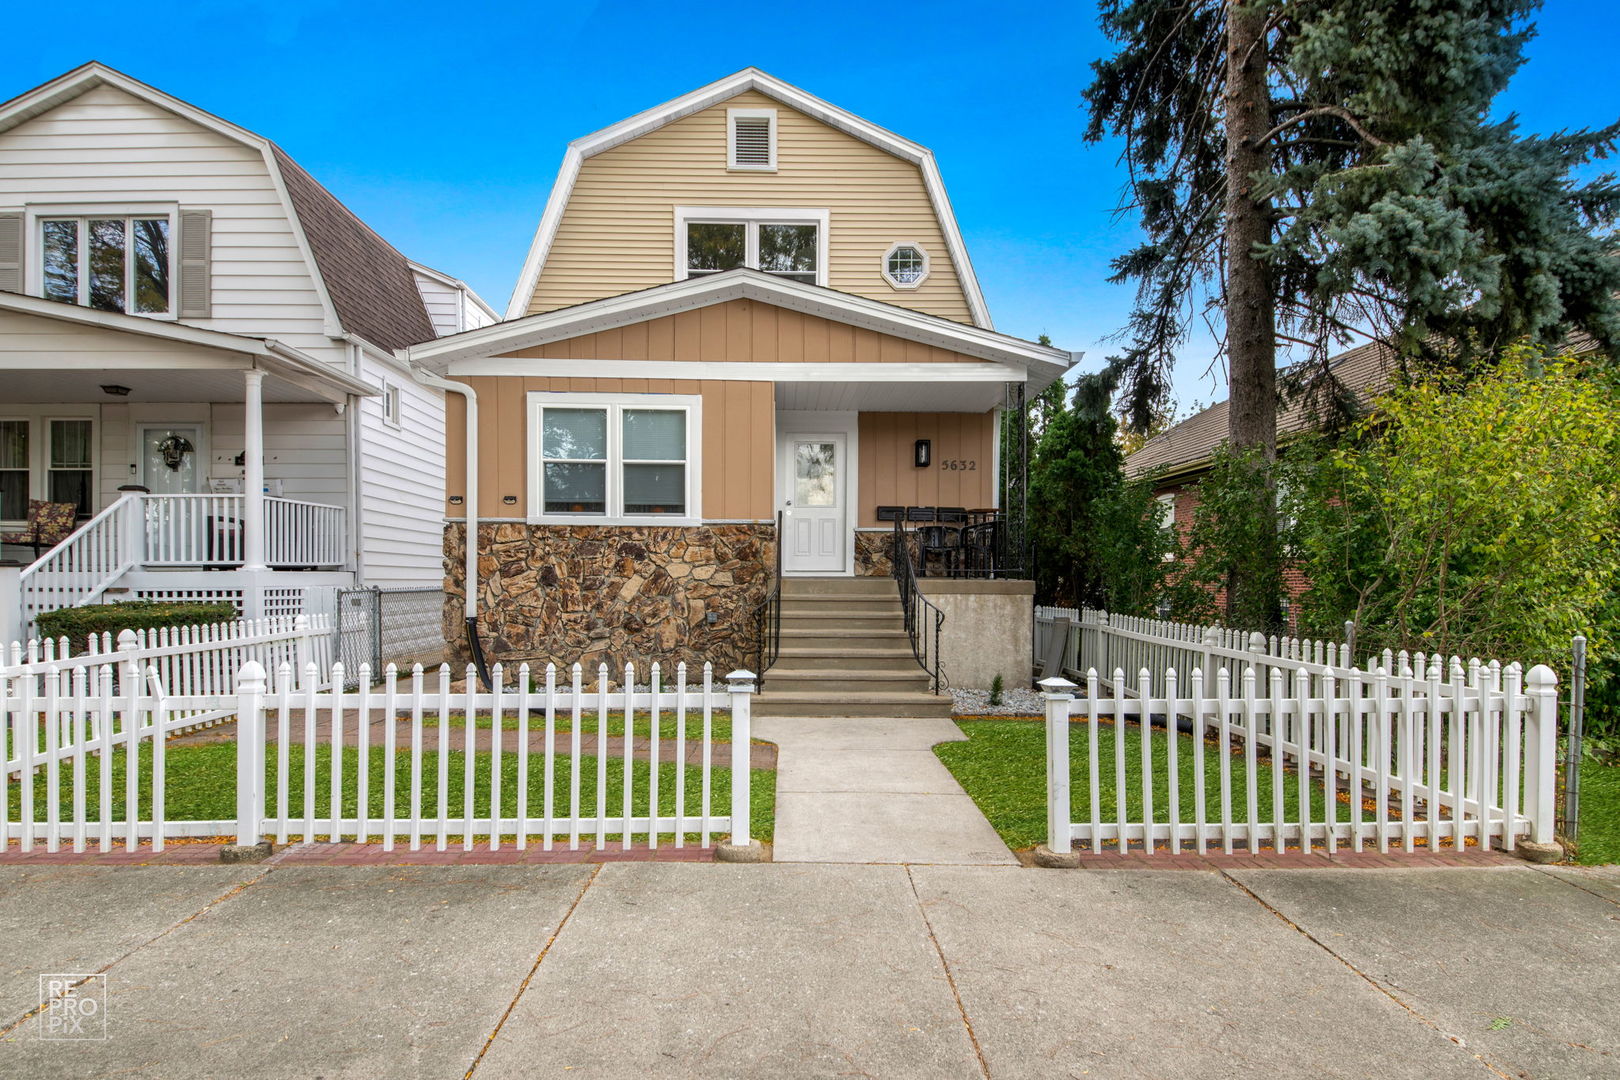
(49, 523)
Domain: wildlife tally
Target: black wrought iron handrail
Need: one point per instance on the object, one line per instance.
(923, 620)
(767, 617)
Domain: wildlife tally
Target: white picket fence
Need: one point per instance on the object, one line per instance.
(187, 660)
(1442, 751)
(78, 737)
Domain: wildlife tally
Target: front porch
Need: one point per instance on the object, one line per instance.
(200, 465)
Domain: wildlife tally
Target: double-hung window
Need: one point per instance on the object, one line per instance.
(785, 242)
(111, 263)
(613, 457)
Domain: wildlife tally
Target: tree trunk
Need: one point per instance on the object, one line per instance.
(1250, 311)
(1251, 338)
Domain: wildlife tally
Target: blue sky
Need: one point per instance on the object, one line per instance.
(442, 125)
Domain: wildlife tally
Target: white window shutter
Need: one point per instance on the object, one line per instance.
(11, 253)
(751, 140)
(196, 259)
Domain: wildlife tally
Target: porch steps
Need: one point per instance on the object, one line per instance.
(845, 653)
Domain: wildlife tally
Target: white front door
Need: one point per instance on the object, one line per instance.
(815, 511)
(170, 458)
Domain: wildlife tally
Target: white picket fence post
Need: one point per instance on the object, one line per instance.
(741, 685)
(250, 686)
(1059, 696)
(1540, 752)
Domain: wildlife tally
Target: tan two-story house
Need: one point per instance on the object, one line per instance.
(743, 303)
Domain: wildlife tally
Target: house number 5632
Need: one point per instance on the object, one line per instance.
(958, 465)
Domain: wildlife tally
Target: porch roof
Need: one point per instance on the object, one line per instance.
(994, 358)
(54, 352)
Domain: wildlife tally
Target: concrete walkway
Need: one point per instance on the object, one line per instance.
(669, 970)
(871, 791)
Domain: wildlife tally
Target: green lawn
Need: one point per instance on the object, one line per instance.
(1599, 835)
(1003, 767)
(201, 785)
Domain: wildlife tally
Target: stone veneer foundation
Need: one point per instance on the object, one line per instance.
(874, 552)
(611, 594)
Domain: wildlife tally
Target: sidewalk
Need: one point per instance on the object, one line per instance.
(872, 791)
(655, 970)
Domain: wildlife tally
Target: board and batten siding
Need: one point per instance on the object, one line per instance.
(617, 232)
(402, 483)
(739, 441)
(108, 147)
(888, 475)
(741, 331)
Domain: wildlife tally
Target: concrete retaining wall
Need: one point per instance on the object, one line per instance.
(988, 631)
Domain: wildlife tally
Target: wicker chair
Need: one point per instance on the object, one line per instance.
(48, 525)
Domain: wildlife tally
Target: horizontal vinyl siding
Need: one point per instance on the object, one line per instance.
(402, 484)
(305, 445)
(106, 146)
(739, 441)
(744, 330)
(889, 477)
(443, 304)
(617, 231)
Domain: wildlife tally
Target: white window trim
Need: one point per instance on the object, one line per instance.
(615, 404)
(39, 468)
(34, 244)
(927, 264)
(1167, 518)
(753, 217)
(732, 116)
(390, 393)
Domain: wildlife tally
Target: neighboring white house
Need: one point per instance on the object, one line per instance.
(184, 309)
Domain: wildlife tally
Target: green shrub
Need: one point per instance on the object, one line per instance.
(997, 688)
(78, 623)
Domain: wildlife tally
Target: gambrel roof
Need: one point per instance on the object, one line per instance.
(365, 284)
(713, 94)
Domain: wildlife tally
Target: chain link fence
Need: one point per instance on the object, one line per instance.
(378, 627)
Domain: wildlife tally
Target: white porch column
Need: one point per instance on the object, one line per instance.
(253, 478)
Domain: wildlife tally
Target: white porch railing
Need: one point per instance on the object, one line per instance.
(80, 568)
(1424, 750)
(206, 530)
(168, 532)
(571, 775)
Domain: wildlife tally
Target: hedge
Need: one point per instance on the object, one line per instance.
(78, 623)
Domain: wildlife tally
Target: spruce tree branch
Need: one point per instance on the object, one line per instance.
(1325, 110)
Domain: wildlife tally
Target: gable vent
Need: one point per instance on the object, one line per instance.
(753, 139)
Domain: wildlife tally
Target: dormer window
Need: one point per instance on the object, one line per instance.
(751, 139)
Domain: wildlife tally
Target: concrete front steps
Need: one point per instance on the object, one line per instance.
(845, 653)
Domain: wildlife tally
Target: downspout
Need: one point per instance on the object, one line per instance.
(470, 544)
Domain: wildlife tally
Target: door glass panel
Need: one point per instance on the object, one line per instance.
(815, 474)
(152, 264)
(575, 434)
(61, 261)
(789, 250)
(715, 246)
(107, 265)
(13, 470)
(575, 488)
(169, 460)
(655, 489)
(654, 435)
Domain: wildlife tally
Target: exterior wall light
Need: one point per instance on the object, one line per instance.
(924, 453)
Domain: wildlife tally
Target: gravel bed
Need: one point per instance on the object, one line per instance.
(1013, 703)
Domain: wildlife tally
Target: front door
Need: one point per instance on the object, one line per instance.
(815, 510)
(169, 458)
